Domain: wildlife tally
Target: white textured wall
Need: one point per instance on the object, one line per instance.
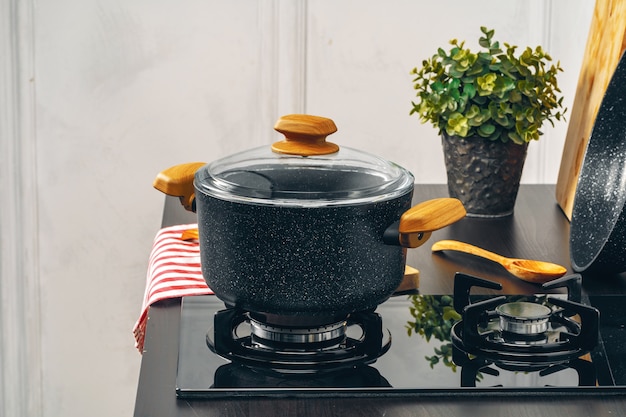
(360, 56)
(124, 89)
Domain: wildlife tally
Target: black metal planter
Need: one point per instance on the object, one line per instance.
(484, 174)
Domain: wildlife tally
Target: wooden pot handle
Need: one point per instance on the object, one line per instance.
(417, 223)
(305, 135)
(177, 181)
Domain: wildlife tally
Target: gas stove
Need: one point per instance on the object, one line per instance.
(558, 340)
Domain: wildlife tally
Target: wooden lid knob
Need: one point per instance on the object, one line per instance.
(305, 135)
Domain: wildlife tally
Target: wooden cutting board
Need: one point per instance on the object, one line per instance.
(605, 45)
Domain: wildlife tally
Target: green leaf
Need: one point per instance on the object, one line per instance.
(515, 96)
(469, 90)
(515, 137)
(457, 125)
(437, 86)
(486, 130)
(486, 84)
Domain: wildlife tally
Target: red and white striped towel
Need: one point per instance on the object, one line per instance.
(173, 271)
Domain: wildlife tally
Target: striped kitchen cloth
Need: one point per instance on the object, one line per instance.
(173, 271)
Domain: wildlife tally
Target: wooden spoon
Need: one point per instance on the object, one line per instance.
(525, 269)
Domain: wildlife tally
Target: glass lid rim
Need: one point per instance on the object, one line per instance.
(393, 178)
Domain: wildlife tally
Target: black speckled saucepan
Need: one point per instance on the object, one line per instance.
(305, 231)
(598, 226)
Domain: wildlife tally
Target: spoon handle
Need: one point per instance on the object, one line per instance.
(467, 248)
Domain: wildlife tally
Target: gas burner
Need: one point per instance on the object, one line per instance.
(297, 338)
(523, 318)
(355, 341)
(535, 332)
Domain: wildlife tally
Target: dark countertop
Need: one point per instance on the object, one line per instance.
(537, 230)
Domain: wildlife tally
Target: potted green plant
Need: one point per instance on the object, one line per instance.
(487, 107)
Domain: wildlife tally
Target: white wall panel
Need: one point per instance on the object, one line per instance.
(20, 331)
(124, 89)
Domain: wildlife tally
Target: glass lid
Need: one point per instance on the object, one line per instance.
(303, 170)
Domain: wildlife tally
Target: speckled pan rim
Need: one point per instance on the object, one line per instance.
(601, 190)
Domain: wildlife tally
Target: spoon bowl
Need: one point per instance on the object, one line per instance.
(529, 270)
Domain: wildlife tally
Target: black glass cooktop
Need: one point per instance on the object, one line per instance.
(420, 359)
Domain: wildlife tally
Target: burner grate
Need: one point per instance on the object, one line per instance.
(536, 332)
(296, 353)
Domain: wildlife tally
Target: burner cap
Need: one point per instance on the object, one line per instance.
(298, 335)
(523, 318)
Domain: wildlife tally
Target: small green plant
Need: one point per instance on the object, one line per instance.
(493, 93)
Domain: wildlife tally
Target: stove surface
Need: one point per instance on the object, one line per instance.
(414, 364)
